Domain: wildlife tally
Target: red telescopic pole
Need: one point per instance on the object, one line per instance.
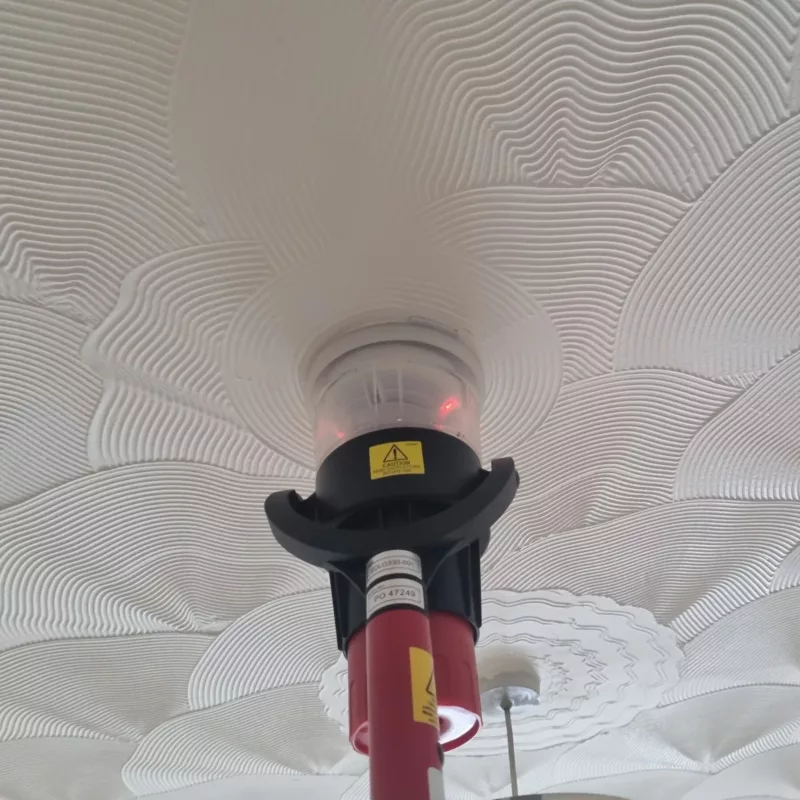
(405, 760)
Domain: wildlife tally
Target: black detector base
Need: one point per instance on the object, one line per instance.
(397, 489)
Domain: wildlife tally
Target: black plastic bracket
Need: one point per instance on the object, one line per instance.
(444, 517)
(295, 524)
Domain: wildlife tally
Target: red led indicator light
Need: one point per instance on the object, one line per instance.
(451, 404)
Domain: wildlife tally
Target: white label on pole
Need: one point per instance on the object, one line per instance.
(395, 592)
(393, 562)
(435, 784)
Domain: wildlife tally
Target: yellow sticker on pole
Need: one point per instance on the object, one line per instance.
(396, 458)
(423, 687)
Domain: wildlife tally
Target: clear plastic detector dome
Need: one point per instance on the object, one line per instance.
(390, 376)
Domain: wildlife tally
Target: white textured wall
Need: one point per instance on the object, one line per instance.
(606, 194)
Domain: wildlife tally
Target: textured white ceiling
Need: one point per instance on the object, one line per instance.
(605, 194)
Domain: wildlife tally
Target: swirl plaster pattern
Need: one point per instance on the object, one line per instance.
(750, 450)
(114, 574)
(604, 195)
(611, 446)
(754, 645)
(577, 250)
(159, 353)
(461, 94)
(231, 739)
(91, 189)
(719, 298)
(701, 735)
(109, 688)
(40, 373)
(738, 549)
(40, 769)
(290, 640)
(788, 574)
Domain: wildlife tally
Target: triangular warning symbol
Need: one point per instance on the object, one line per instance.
(395, 454)
(430, 688)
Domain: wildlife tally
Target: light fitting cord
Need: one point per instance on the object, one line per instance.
(505, 704)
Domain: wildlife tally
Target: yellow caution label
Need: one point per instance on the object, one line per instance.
(396, 458)
(423, 687)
